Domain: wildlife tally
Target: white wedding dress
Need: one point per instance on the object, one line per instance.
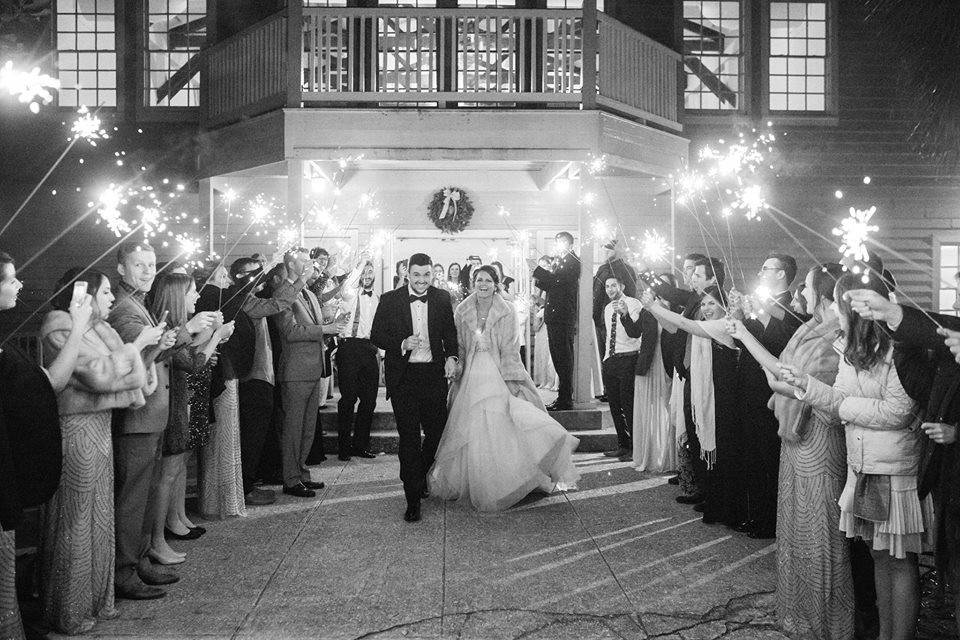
(499, 444)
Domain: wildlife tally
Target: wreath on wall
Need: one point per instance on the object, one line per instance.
(450, 210)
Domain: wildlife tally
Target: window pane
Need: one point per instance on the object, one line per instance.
(712, 32)
(947, 298)
(175, 33)
(949, 255)
(947, 274)
(86, 32)
(797, 39)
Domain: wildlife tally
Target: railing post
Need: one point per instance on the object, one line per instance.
(589, 91)
(294, 53)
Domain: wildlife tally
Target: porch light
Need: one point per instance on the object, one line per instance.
(561, 185)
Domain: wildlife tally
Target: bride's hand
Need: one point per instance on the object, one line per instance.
(450, 369)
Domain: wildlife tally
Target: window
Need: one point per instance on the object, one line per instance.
(87, 53)
(570, 4)
(949, 266)
(798, 56)
(713, 54)
(175, 33)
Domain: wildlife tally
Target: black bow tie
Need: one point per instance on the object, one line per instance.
(414, 298)
(367, 293)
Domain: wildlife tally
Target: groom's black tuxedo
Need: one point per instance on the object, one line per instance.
(418, 391)
(392, 324)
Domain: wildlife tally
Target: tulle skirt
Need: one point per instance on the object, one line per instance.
(496, 447)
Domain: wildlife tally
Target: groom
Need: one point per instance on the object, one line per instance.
(414, 326)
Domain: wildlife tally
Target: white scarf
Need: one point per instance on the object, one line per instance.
(702, 404)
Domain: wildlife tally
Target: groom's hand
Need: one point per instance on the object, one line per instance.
(410, 343)
(450, 368)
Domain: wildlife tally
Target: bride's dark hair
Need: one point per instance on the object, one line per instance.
(487, 269)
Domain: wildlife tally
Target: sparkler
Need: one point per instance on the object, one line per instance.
(30, 87)
(87, 126)
(854, 232)
(751, 201)
(596, 164)
(654, 247)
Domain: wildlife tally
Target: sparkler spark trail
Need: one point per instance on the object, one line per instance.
(751, 201)
(30, 87)
(854, 232)
(654, 247)
(87, 126)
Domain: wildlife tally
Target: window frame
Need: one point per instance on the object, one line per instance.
(938, 241)
(831, 69)
(746, 73)
(756, 83)
(157, 113)
(119, 66)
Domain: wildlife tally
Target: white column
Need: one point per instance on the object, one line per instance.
(586, 345)
(207, 202)
(295, 195)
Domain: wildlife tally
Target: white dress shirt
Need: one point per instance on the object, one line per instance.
(351, 296)
(624, 343)
(418, 316)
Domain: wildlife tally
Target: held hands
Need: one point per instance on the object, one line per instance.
(149, 337)
(793, 376)
(203, 320)
(620, 306)
(873, 306)
(450, 369)
(939, 432)
(648, 299)
(169, 337)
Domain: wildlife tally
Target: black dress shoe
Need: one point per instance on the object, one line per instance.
(299, 491)
(322, 457)
(191, 534)
(198, 529)
(425, 493)
(363, 453)
(343, 457)
(675, 480)
(310, 484)
(699, 507)
(138, 592)
(689, 499)
(153, 576)
(745, 526)
(412, 514)
(762, 534)
(560, 406)
(602, 397)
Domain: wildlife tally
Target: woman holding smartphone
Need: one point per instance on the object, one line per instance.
(77, 531)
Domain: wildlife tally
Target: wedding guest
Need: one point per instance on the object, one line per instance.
(250, 354)
(684, 300)
(138, 433)
(815, 595)
(879, 502)
(30, 439)
(457, 293)
(326, 287)
(358, 364)
(505, 280)
(400, 276)
(613, 265)
(799, 302)
(301, 366)
(654, 437)
(466, 275)
(560, 315)
(714, 405)
(77, 527)
(175, 296)
(627, 326)
(772, 323)
(439, 280)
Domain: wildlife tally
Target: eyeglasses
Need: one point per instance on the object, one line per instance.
(762, 269)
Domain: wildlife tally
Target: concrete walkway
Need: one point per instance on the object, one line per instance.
(617, 559)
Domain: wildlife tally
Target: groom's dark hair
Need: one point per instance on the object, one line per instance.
(419, 260)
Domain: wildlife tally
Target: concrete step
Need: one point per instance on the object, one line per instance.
(587, 419)
(593, 440)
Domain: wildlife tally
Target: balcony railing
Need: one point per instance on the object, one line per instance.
(440, 57)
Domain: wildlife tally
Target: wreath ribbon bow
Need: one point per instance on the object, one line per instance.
(450, 199)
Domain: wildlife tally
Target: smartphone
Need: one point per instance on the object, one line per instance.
(79, 292)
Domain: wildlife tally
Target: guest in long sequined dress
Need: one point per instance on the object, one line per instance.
(815, 595)
(77, 530)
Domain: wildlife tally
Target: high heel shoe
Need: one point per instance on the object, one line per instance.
(165, 560)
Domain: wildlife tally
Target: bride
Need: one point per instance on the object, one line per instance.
(499, 443)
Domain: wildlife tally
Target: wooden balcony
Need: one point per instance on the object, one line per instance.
(440, 58)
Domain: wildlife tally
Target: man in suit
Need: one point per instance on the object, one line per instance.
(301, 366)
(139, 432)
(249, 353)
(560, 315)
(414, 327)
(357, 364)
(613, 265)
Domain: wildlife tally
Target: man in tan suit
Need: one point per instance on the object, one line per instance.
(138, 433)
(301, 367)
